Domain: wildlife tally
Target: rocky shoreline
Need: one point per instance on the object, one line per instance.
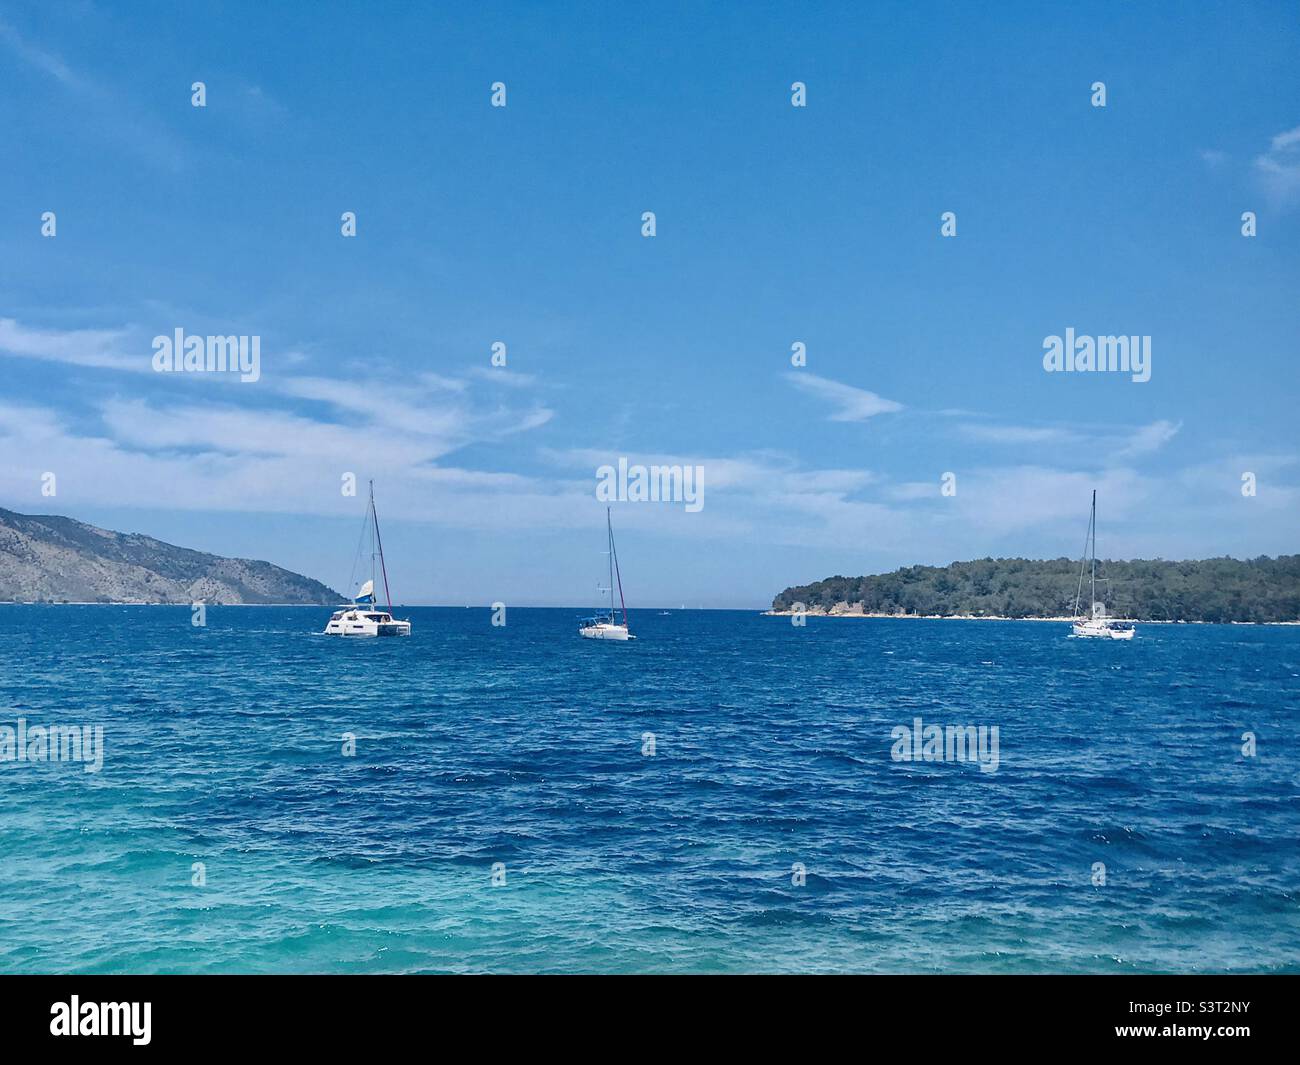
(850, 613)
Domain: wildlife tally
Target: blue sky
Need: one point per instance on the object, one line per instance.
(775, 224)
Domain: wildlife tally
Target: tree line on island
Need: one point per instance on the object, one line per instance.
(1215, 589)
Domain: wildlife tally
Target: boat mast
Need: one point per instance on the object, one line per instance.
(1092, 607)
(613, 554)
(1083, 559)
(371, 533)
(380, 543)
(609, 544)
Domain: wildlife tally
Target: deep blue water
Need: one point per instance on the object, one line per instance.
(523, 745)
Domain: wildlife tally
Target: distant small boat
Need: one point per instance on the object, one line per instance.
(604, 626)
(362, 618)
(1096, 625)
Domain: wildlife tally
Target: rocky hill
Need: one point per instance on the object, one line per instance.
(45, 558)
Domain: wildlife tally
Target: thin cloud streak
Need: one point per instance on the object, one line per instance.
(112, 118)
(851, 404)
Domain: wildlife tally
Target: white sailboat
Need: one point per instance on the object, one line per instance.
(604, 626)
(1096, 624)
(363, 618)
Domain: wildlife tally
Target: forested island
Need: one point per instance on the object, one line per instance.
(1214, 589)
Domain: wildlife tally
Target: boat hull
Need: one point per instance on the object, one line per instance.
(356, 623)
(604, 631)
(1092, 630)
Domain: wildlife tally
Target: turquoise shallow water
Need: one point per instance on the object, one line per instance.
(524, 745)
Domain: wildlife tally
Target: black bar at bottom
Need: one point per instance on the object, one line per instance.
(1224, 1014)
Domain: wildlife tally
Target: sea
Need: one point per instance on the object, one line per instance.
(729, 793)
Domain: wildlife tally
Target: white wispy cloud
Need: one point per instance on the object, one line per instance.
(1018, 434)
(758, 471)
(218, 457)
(1286, 141)
(425, 405)
(441, 382)
(850, 404)
(1107, 444)
(277, 446)
(1149, 438)
(395, 406)
(100, 348)
(1278, 169)
(38, 57)
(280, 447)
(500, 375)
(253, 435)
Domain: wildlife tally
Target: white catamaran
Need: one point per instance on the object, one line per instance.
(603, 626)
(362, 618)
(1096, 624)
